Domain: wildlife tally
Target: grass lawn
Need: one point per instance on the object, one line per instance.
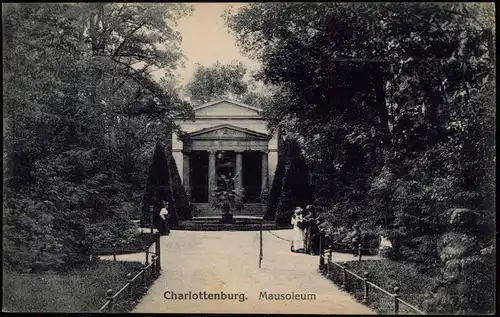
(414, 286)
(80, 290)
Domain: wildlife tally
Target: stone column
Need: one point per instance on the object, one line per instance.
(238, 184)
(264, 189)
(186, 173)
(212, 177)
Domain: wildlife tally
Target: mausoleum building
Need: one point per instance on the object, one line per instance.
(226, 138)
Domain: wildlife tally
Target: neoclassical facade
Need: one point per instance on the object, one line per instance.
(226, 138)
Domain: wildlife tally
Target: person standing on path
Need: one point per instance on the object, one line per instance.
(298, 231)
(305, 221)
(355, 239)
(313, 231)
(164, 227)
(308, 221)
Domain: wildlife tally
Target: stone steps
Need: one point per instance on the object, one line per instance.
(253, 209)
(215, 225)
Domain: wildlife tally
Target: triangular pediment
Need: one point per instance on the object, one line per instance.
(226, 107)
(227, 132)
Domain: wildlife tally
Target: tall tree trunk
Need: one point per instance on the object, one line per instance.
(491, 47)
(383, 113)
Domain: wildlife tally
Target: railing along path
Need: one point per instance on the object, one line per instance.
(149, 271)
(364, 279)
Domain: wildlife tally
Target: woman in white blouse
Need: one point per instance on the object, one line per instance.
(164, 227)
(298, 233)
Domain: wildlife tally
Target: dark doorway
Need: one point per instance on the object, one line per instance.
(252, 170)
(225, 164)
(198, 171)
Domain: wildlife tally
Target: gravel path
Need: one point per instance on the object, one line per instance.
(227, 263)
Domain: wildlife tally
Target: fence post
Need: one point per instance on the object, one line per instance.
(153, 266)
(144, 278)
(344, 276)
(114, 251)
(260, 244)
(157, 249)
(158, 266)
(329, 260)
(365, 287)
(109, 297)
(130, 286)
(151, 209)
(396, 300)
(359, 253)
(321, 251)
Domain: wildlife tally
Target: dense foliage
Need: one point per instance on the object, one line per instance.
(225, 197)
(414, 287)
(217, 81)
(393, 105)
(81, 116)
(294, 182)
(226, 81)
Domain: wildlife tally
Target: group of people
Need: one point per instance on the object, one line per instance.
(306, 233)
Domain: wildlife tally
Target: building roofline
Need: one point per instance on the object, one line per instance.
(230, 126)
(208, 104)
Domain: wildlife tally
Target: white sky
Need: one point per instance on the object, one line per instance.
(206, 40)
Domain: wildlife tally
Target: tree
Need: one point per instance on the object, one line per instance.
(256, 99)
(180, 199)
(295, 190)
(218, 81)
(385, 102)
(276, 186)
(77, 108)
(158, 189)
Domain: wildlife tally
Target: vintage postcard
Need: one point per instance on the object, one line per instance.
(270, 158)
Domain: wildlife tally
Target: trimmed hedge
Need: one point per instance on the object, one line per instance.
(157, 187)
(275, 193)
(179, 196)
(137, 244)
(164, 184)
